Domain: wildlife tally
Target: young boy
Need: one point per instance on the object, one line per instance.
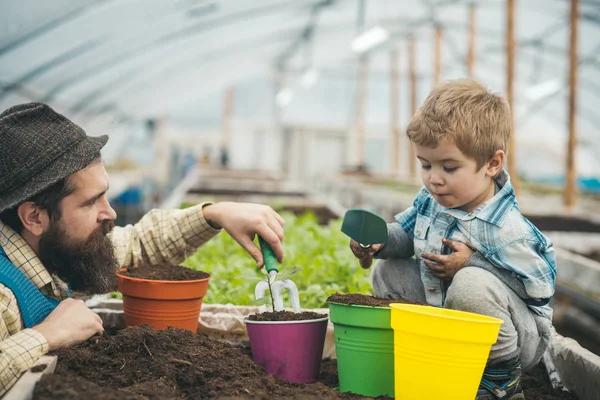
(474, 250)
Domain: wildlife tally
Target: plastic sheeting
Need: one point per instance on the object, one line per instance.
(578, 368)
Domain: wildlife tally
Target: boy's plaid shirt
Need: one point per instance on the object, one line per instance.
(497, 230)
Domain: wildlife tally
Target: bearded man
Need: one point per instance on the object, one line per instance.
(57, 235)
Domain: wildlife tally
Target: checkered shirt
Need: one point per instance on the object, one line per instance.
(160, 237)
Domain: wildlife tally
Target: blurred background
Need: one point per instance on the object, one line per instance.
(302, 104)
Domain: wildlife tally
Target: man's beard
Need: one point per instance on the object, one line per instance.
(88, 266)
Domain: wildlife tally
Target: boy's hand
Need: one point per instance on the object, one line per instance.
(364, 254)
(446, 266)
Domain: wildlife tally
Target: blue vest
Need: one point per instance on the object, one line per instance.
(34, 306)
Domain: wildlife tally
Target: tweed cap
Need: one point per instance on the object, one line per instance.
(39, 147)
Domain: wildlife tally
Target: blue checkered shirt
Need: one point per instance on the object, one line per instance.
(508, 244)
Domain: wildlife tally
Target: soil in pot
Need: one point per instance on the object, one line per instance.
(364, 300)
(286, 316)
(165, 273)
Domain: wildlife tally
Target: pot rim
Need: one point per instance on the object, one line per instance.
(362, 306)
(124, 277)
(303, 321)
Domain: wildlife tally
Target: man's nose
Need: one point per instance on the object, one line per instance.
(108, 213)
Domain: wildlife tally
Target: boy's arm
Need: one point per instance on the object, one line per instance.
(400, 243)
(528, 266)
(401, 232)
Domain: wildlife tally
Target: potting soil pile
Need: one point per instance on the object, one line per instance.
(364, 300)
(165, 273)
(286, 316)
(139, 363)
(169, 364)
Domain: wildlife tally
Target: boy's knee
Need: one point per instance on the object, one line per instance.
(382, 275)
(471, 289)
(397, 278)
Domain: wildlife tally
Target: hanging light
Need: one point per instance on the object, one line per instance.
(284, 97)
(543, 89)
(309, 78)
(369, 39)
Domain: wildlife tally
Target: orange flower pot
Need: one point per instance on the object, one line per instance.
(161, 304)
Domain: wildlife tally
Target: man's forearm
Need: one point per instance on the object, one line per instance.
(162, 236)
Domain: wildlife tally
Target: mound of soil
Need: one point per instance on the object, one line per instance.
(139, 363)
(73, 387)
(165, 273)
(167, 364)
(364, 300)
(285, 316)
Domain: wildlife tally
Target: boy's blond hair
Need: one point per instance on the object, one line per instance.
(464, 111)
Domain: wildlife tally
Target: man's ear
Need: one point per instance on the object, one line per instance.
(34, 219)
(494, 166)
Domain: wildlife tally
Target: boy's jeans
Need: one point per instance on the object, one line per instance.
(523, 334)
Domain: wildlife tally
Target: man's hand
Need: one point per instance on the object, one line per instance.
(244, 220)
(445, 267)
(364, 254)
(70, 323)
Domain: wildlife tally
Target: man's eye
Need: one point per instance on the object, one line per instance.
(426, 166)
(450, 170)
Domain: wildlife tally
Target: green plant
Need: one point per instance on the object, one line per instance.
(326, 264)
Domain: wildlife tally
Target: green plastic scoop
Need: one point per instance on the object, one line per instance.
(365, 227)
(276, 286)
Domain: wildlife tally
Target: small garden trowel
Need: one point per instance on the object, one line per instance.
(365, 227)
(276, 286)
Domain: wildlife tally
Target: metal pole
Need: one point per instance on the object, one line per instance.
(571, 178)
(510, 72)
(279, 77)
(395, 113)
(437, 77)
(226, 118)
(363, 69)
(413, 101)
(471, 49)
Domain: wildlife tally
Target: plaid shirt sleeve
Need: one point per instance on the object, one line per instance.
(20, 351)
(401, 231)
(534, 261)
(162, 237)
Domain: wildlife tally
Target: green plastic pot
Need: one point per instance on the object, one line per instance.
(364, 346)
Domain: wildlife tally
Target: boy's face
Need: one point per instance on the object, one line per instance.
(453, 178)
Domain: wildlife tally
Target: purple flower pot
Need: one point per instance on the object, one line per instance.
(289, 350)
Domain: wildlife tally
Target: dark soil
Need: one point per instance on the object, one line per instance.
(39, 368)
(165, 273)
(563, 224)
(168, 364)
(285, 316)
(594, 255)
(139, 363)
(364, 300)
(536, 385)
(74, 387)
